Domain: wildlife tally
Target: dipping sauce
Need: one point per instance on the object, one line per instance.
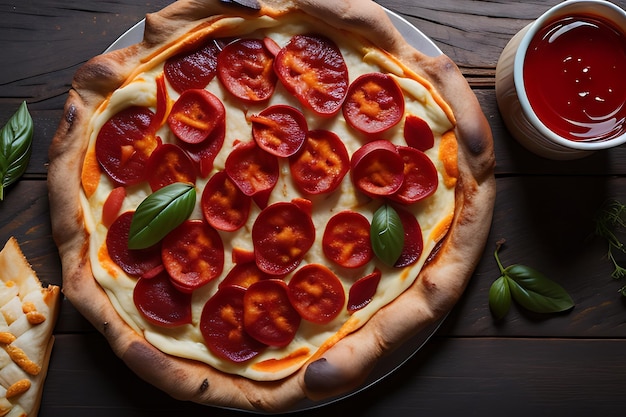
(575, 78)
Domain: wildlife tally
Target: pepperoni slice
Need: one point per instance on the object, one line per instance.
(377, 168)
(169, 164)
(223, 205)
(271, 46)
(362, 291)
(279, 130)
(268, 315)
(417, 133)
(193, 254)
(413, 242)
(374, 103)
(195, 115)
(253, 170)
(203, 154)
(245, 68)
(160, 303)
(125, 143)
(420, 176)
(312, 68)
(243, 275)
(221, 325)
(282, 234)
(134, 262)
(346, 239)
(241, 255)
(316, 293)
(321, 163)
(193, 69)
(112, 206)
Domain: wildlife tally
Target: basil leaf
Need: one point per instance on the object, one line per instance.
(160, 213)
(16, 139)
(533, 291)
(500, 297)
(387, 235)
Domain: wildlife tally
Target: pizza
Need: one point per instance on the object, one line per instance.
(260, 200)
(29, 312)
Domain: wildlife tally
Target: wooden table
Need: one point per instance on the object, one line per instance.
(568, 364)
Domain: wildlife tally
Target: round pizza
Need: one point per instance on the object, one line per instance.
(260, 200)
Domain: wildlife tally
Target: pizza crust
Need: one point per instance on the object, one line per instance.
(339, 369)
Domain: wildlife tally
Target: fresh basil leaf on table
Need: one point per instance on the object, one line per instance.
(528, 287)
(16, 138)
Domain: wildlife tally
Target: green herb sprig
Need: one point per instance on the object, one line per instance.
(16, 138)
(160, 213)
(387, 234)
(528, 287)
(609, 220)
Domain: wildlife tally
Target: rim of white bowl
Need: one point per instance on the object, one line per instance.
(600, 8)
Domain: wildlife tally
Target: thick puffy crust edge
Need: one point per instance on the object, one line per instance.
(437, 289)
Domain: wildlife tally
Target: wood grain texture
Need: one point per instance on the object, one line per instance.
(566, 364)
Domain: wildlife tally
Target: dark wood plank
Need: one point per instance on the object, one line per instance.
(547, 224)
(450, 376)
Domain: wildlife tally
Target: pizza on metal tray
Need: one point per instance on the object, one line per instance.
(259, 201)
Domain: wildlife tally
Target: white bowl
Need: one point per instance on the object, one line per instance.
(516, 111)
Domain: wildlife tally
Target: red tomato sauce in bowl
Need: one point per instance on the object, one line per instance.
(575, 78)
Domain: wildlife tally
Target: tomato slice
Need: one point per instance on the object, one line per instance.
(243, 275)
(160, 303)
(169, 164)
(134, 262)
(221, 325)
(245, 68)
(417, 133)
(193, 255)
(413, 241)
(374, 103)
(252, 169)
(316, 293)
(321, 164)
(346, 239)
(125, 143)
(279, 130)
(420, 176)
(203, 154)
(377, 168)
(195, 115)
(282, 234)
(192, 69)
(112, 206)
(223, 205)
(362, 291)
(162, 104)
(268, 315)
(312, 68)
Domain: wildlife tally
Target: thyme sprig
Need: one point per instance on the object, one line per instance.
(609, 221)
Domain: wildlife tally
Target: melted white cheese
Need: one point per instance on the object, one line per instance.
(187, 341)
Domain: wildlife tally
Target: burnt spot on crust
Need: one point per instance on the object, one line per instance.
(70, 115)
(250, 4)
(321, 376)
(204, 386)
